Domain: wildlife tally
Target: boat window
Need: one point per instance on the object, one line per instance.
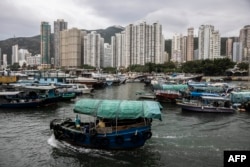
(80, 86)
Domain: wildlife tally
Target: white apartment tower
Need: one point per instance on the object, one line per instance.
(5, 64)
(209, 42)
(118, 50)
(245, 41)
(190, 44)
(71, 43)
(59, 25)
(14, 54)
(107, 57)
(237, 52)
(139, 44)
(176, 55)
(93, 49)
(215, 45)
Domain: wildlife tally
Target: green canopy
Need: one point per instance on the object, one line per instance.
(176, 87)
(121, 109)
(240, 97)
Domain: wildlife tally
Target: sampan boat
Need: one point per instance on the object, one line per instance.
(115, 124)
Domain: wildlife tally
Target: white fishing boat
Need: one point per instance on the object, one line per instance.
(208, 104)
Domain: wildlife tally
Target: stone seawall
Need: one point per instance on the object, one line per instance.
(226, 78)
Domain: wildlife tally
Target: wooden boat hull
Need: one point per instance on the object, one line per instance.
(167, 97)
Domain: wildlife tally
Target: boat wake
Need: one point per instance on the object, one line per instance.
(52, 141)
(57, 144)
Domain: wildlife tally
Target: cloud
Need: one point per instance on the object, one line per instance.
(23, 18)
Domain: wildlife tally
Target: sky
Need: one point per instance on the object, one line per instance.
(22, 18)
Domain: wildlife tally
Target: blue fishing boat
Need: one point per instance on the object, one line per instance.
(48, 94)
(17, 99)
(115, 124)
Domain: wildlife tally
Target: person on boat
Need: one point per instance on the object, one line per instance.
(77, 121)
(101, 124)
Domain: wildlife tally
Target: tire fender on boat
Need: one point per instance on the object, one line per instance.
(72, 136)
(135, 138)
(104, 142)
(119, 140)
(80, 137)
(147, 135)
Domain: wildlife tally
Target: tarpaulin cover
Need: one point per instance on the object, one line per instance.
(240, 97)
(121, 109)
(174, 87)
(209, 89)
(198, 94)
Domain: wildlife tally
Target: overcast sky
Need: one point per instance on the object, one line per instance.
(22, 18)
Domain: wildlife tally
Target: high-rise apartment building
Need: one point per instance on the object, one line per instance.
(93, 49)
(5, 64)
(183, 48)
(209, 42)
(34, 60)
(45, 42)
(14, 57)
(176, 55)
(215, 45)
(190, 44)
(237, 52)
(118, 50)
(71, 44)
(245, 41)
(138, 44)
(107, 57)
(59, 25)
(229, 48)
(1, 59)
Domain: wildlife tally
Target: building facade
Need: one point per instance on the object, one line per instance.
(34, 60)
(138, 44)
(245, 41)
(209, 42)
(176, 48)
(1, 59)
(118, 47)
(190, 44)
(93, 49)
(107, 57)
(237, 52)
(5, 64)
(45, 29)
(71, 44)
(229, 48)
(14, 57)
(59, 25)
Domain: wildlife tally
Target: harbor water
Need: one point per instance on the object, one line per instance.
(180, 139)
